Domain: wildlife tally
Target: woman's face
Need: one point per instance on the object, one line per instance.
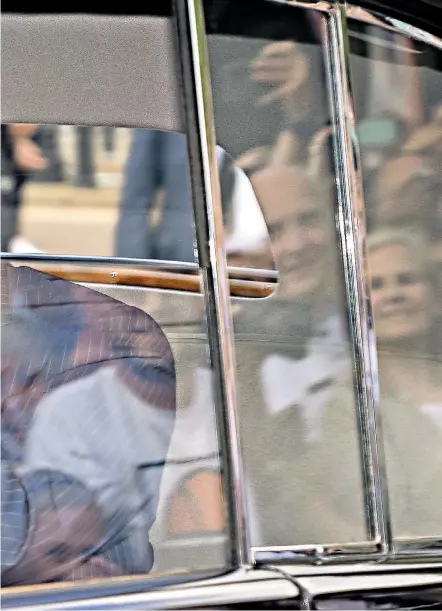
(400, 294)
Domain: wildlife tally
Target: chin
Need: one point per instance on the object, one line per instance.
(401, 335)
(302, 291)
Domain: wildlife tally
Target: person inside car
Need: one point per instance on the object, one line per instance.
(88, 388)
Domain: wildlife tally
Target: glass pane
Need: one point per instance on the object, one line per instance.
(105, 468)
(398, 86)
(104, 191)
(296, 397)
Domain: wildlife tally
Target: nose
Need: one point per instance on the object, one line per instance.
(392, 291)
(298, 238)
(397, 298)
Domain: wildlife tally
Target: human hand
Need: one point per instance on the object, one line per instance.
(28, 155)
(282, 65)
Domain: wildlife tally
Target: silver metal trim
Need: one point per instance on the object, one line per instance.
(242, 586)
(352, 234)
(334, 584)
(187, 268)
(332, 555)
(206, 197)
(424, 546)
(93, 260)
(391, 24)
(318, 554)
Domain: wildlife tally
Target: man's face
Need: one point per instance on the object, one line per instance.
(58, 542)
(299, 231)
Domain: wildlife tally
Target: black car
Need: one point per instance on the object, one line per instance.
(256, 423)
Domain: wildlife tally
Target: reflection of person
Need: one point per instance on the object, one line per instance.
(405, 191)
(158, 161)
(404, 312)
(300, 231)
(410, 378)
(92, 392)
(20, 155)
(301, 358)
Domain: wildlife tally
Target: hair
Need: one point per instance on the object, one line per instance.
(412, 238)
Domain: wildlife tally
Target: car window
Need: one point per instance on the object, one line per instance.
(104, 394)
(398, 89)
(94, 191)
(297, 404)
(117, 192)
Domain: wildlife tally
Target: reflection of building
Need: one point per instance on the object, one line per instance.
(83, 156)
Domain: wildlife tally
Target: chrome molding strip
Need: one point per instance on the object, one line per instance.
(318, 554)
(414, 550)
(352, 234)
(206, 197)
(424, 546)
(394, 25)
(252, 586)
(94, 260)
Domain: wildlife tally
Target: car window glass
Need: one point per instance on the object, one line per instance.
(296, 399)
(116, 192)
(398, 92)
(104, 394)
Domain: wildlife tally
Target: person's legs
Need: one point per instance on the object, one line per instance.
(140, 186)
(175, 231)
(9, 214)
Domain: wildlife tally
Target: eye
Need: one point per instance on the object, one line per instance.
(308, 219)
(408, 278)
(376, 283)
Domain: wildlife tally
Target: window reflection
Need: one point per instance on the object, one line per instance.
(296, 402)
(402, 194)
(116, 192)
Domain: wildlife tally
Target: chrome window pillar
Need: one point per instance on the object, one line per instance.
(350, 223)
(206, 197)
(351, 228)
(352, 235)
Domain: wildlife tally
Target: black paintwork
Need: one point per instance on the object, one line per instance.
(426, 14)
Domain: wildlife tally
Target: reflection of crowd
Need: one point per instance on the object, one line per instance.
(296, 397)
(21, 155)
(403, 215)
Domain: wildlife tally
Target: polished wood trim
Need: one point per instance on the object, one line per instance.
(248, 284)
